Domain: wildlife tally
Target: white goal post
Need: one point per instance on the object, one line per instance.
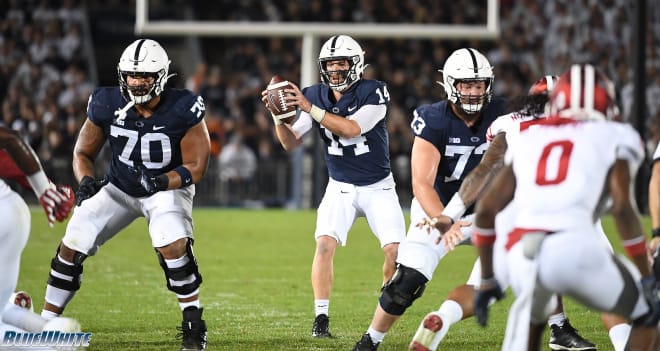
(310, 31)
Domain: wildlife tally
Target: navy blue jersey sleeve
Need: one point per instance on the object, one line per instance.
(191, 109)
(430, 122)
(102, 104)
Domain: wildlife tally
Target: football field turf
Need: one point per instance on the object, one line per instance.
(256, 292)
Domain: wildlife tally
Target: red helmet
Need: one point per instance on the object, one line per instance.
(583, 92)
(543, 86)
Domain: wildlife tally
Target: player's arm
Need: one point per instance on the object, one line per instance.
(87, 147)
(496, 196)
(339, 125)
(424, 161)
(287, 136)
(20, 152)
(626, 217)
(475, 181)
(654, 200)
(195, 153)
(56, 201)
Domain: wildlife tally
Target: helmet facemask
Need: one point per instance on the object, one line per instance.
(470, 104)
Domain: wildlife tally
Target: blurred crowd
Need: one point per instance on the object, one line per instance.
(47, 81)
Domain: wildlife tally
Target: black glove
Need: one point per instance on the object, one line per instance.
(151, 183)
(652, 296)
(489, 289)
(88, 187)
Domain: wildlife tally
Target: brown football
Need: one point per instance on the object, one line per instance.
(276, 102)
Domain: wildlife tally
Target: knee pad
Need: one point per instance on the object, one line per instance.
(398, 294)
(64, 276)
(183, 280)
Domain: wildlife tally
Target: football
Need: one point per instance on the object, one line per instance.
(275, 99)
(21, 299)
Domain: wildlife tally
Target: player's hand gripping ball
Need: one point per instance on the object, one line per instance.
(275, 100)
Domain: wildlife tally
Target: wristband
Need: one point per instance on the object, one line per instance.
(655, 232)
(487, 282)
(635, 246)
(455, 208)
(483, 236)
(38, 182)
(317, 113)
(186, 177)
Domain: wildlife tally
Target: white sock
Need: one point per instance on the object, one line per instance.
(619, 335)
(183, 305)
(376, 336)
(557, 319)
(451, 311)
(321, 307)
(49, 315)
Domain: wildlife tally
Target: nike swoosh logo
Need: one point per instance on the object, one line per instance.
(350, 109)
(158, 128)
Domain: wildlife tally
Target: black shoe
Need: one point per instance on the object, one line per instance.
(365, 344)
(193, 330)
(321, 327)
(567, 338)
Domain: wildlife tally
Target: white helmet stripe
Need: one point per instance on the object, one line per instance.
(576, 82)
(589, 82)
(136, 56)
(549, 83)
(474, 61)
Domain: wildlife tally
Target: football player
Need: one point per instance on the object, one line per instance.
(528, 110)
(561, 173)
(19, 162)
(450, 139)
(350, 115)
(160, 148)
(654, 210)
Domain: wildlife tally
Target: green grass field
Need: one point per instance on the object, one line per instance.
(256, 291)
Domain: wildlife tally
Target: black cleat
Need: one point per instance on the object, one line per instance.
(365, 344)
(193, 330)
(566, 338)
(321, 327)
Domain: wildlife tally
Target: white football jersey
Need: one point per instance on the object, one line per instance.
(509, 123)
(561, 170)
(656, 154)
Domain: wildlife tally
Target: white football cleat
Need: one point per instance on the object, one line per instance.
(21, 299)
(63, 324)
(429, 334)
